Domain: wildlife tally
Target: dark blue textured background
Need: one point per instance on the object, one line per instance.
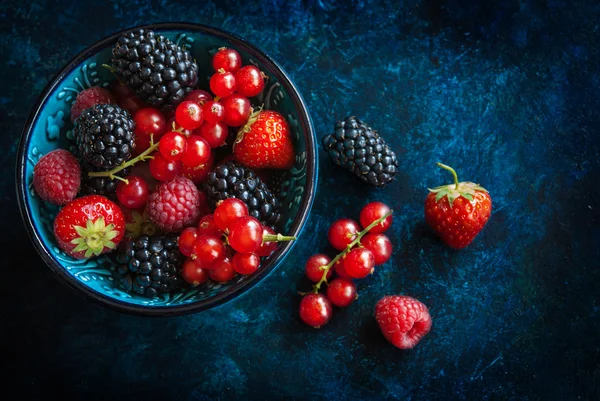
(507, 92)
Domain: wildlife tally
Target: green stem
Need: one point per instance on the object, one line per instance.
(111, 173)
(450, 169)
(361, 234)
(277, 238)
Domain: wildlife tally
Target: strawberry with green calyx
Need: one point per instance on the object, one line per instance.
(89, 226)
(457, 212)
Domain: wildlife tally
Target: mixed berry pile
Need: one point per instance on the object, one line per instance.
(166, 176)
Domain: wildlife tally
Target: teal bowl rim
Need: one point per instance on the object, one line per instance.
(236, 289)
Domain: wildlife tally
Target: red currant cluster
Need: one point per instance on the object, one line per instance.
(225, 243)
(362, 248)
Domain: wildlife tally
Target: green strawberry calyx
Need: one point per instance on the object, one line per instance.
(94, 237)
(465, 189)
(140, 225)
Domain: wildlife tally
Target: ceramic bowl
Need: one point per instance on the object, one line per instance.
(49, 127)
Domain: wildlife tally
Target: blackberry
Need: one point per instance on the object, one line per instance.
(104, 136)
(232, 180)
(159, 71)
(358, 148)
(150, 265)
(101, 185)
(278, 182)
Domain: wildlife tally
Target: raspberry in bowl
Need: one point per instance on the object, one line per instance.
(150, 149)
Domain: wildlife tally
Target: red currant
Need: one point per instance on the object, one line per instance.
(315, 310)
(193, 272)
(266, 248)
(313, 269)
(237, 110)
(133, 193)
(374, 211)
(245, 263)
(198, 174)
(163, 169)
(208, 249)
(213, 112)
(340, 270)
(227, 59)
(149, 121)
(214, 133)
(172, 146)
(197, 151)
(245, 234)
(342, 232)
(228, 211)
(208, 226)
(187, 240)
(173, 126)
(222, 83)
(359, 263)
(222, 271)
(189, 115)
(341, 292)
(249, 80)
(198, 96)
(379, 245)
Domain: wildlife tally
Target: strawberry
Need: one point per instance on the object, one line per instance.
(457, 212)
(89, 226)
(265, 142)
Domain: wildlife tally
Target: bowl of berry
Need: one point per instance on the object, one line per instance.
(167, 169)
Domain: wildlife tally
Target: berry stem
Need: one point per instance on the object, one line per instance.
(277, 238)
(351, 245)
(450, 169)
(145, 155)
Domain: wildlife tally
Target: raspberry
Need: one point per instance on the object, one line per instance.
(57, 177)
(88, 98)
(174, 205)
(403, 320)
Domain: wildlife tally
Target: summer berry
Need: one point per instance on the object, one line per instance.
(57, 177)
(222, 83)
(250, 81)
(266, 247)
(208, 249)
(199, 97)
(149, 122)
(174, 204)
(342, 232)
(189, 115)
(89, 226)
(222, 271)
(379, 245)
(457, 212)
(245, 263)
(163, 169)
(215, 133)
(89, 97)
(341, 292)
(237, 110)
(227, 59)
(207, 226)
(315, 310)
(187, 240)
(197, 151)
(172, 146)
(265, 142)
(245, 235)
(193, 272)
(359, 263)
(340, 270)
(313, 270)
(372, 212)
(133, 193)
(213, 111)
(403, 320)
(228, 211)
(198, 174)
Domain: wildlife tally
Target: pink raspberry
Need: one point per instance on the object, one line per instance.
(403, 320)
(57, 177)
(88, 98)
(175, 204)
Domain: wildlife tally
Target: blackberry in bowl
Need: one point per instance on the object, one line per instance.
(142, 275)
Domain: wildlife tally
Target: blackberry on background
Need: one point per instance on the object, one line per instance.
(159, 71)
(232, 180)
(358, 148)
(104, 136)
(150, 265)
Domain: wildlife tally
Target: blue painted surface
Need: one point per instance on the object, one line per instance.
(507, 93)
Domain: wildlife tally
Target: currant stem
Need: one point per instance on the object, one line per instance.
(277, 238)
(111, 173)
(450, 169)
(351, 245)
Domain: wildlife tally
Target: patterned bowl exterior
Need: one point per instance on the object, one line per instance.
(49, 127)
